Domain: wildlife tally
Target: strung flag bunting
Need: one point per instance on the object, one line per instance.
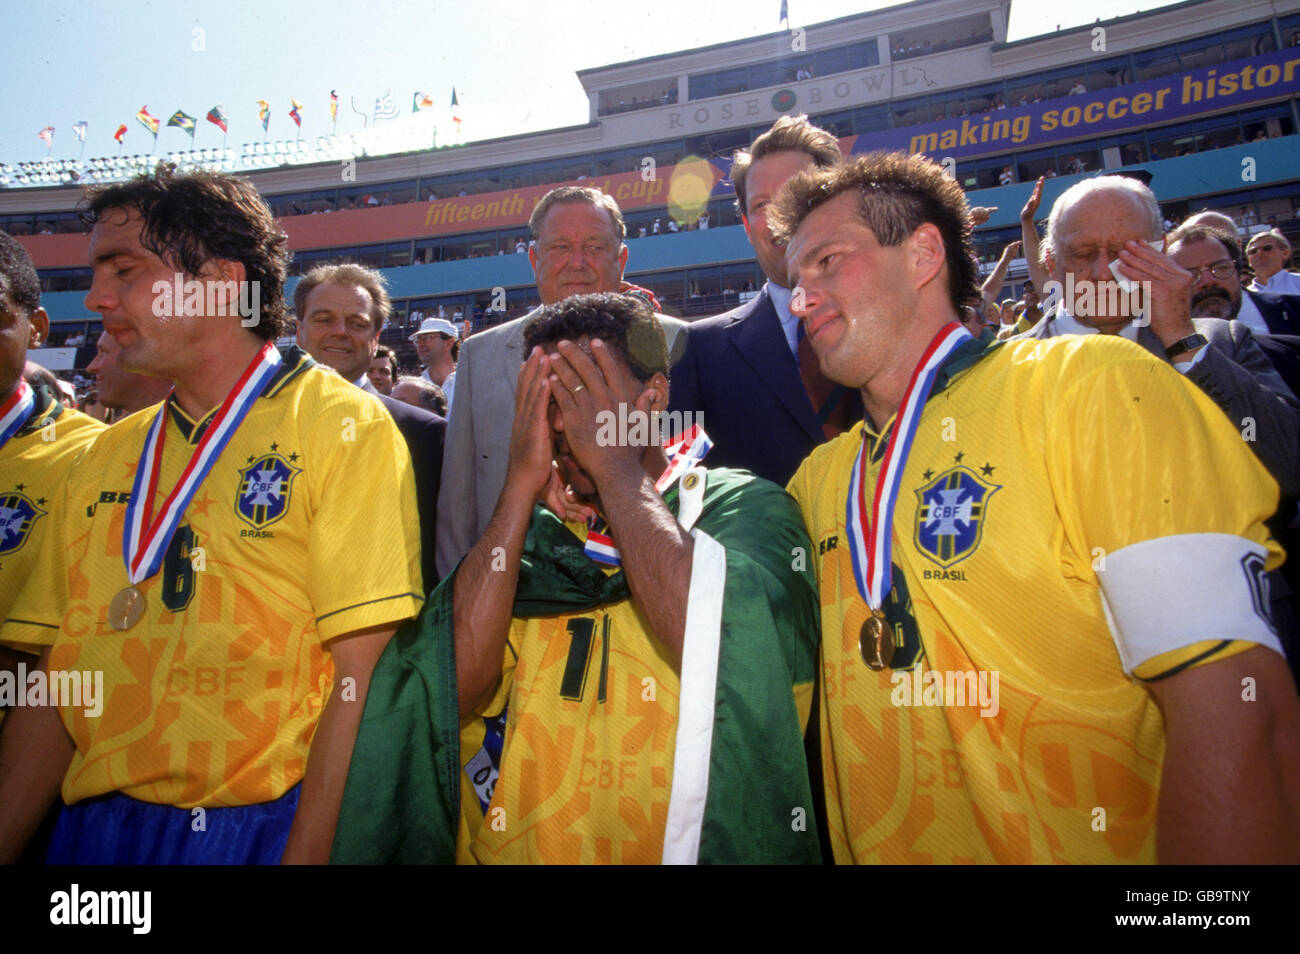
(421, 101)
(79, 130)
(121, 133)
(264, 113)
(46, 135)
(296, 113)
(147, 121)
(334, 106)
(217, 116)
(182, 120)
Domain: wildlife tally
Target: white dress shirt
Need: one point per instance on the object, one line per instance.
(1281, 283)
(1067, 324)
(789, 323)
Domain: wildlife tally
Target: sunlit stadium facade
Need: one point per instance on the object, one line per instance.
(1201, 95)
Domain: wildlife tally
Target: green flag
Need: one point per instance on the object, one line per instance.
(754, 803)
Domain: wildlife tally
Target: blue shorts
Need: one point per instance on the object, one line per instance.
(120, 830)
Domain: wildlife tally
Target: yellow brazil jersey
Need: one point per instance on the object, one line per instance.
(305, 529)
(586, 764)
(34, 464)
(1007, 729)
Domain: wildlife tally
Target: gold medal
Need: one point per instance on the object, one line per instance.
(126, 609)
(876, 642)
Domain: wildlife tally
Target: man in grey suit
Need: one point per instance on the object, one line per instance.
(579, 249)
(1111, 219)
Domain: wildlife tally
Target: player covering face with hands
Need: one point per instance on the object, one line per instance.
(630, 635)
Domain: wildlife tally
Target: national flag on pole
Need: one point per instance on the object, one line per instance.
(46, 135)
(296, 114)
(147, 121)
(455, 109)
(785, 11)
(79, 130)
(121, 133)
(334, 106)
(421, 101)
(385, 108)
(217, 116)
(182, 120)
(264, 113)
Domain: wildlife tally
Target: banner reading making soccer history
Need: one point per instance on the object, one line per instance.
(1133, 106)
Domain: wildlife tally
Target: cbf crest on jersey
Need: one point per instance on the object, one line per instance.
(264, 489)
(950, 515)
(17, 517)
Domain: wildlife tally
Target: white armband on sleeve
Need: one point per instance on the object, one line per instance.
(1163, 594)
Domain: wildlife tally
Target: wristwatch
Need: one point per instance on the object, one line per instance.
(1182, 345)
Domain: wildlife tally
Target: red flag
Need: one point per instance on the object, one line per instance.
(121, 133)
(217, 116)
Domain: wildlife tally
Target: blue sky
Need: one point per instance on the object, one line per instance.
(512, 63)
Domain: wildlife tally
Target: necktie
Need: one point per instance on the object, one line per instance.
(832, 403)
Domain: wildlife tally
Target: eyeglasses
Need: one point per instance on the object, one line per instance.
(1220, 270)
(1261, 247)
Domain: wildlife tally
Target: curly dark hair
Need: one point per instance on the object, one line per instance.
(624, 322)
(18, 275)
(191, 219)
(897, 193)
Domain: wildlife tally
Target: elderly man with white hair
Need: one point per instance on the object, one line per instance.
(1267, 253)
(1108, 228)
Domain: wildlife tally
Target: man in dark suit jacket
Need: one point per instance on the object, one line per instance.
(341, 309)
(1280, 313)
(745, 370)
(1205, 250)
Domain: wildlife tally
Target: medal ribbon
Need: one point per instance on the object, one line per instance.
(691, 446)
(144, 538)
(870, 541)
(15, 411)
(682, 451)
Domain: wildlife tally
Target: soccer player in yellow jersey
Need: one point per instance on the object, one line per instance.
(217, 565)
(38, 444)
(1072, 659)
(642, 714)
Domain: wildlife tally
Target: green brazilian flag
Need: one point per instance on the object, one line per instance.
(740, 797)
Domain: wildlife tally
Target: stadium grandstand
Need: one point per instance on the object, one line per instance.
(1199, 95)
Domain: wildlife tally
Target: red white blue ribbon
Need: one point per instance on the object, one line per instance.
(15, 411)
(600, 545)
(144, 538)
(682, 452)
(870, 531)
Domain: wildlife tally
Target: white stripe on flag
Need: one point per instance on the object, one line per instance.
(695, 711)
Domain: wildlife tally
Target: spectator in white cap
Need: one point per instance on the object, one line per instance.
(438, 345)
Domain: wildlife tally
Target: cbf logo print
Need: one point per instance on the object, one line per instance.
(17, 517)
(950, 515)
(264, 487)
